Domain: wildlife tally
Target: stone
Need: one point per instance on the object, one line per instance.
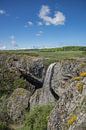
(70, 111)
(58, 76)
(43, 95)
(18, 102)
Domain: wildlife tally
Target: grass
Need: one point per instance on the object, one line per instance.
(49, 56)
(37, 118)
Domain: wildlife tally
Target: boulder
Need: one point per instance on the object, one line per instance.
(18, 102)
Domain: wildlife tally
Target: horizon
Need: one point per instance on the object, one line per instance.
(44, 24)
(25, 49)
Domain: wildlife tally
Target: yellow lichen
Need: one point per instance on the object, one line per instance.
(83, 74)
(78, 78)
(72, 119)
(79, 87)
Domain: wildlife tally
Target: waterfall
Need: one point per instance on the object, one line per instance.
(48, 76)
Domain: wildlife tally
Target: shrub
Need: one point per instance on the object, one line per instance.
(10, 80)
(4, 126)
(72, 119)
(38, 117)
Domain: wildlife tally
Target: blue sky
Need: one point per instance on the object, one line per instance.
(42, 23)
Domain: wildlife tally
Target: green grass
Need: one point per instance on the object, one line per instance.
(51, 54)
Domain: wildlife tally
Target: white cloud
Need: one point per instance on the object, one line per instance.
(39, 33)
(30, 23)
(58, 19)
(2, 46)
(40, 23)
(13, 41)
(2, 12)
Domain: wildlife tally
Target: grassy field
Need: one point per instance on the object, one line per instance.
(51, 54)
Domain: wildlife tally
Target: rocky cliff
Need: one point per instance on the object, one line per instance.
(28, 84)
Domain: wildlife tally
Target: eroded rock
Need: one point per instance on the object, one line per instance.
(17, 103)
(70, 111)
(58, 76)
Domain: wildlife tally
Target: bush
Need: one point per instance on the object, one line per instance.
(38, 117)
(4, 126)
(10, 80)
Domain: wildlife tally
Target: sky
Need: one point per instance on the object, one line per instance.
(42, 23)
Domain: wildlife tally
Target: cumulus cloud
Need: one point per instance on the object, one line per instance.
(58, 19)
(39, 33)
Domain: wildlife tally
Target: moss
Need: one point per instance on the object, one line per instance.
(72, 119)
(79, 87)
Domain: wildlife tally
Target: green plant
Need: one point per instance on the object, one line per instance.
(10, 80)
(2, 126)
(38, 117)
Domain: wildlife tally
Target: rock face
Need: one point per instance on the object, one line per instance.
(70, 111)
(57, 77)
(64, 85)
(44, 95)
(33, 65)
(17, 103)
